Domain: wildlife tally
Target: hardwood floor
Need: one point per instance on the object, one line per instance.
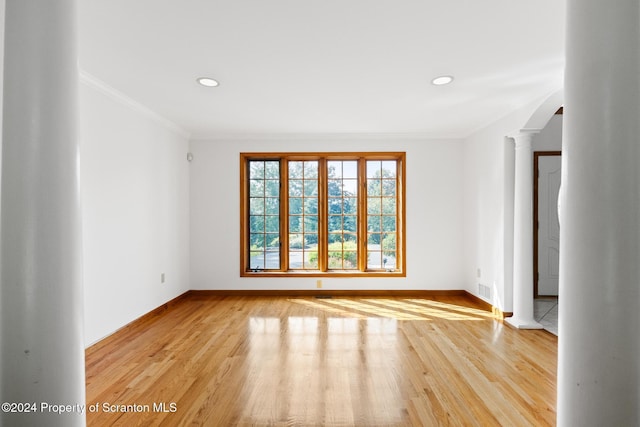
(266, 361)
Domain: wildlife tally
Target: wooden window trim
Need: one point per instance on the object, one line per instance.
(323, 157)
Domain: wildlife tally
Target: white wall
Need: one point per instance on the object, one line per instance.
(485, 184)
(434, 212)
(484, 213)
(135, 194)
(549, 138)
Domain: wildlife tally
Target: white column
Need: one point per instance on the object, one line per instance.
(599, 325)
(523, 236)
(508, 200)
(41, 303)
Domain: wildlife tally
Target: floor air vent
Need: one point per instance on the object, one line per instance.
(484, 291)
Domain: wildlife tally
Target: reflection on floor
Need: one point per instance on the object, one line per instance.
(545, 311)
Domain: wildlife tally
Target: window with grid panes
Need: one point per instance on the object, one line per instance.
(306, 214)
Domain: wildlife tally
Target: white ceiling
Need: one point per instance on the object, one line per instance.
(326, 66)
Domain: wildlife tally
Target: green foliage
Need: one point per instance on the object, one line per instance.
(389, 244)
(337, 252)
(257, 241)
(296, 241)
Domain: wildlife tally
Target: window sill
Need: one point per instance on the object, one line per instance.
(334, 274)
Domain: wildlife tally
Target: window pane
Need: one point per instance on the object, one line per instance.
(311, 206)
(311, 241)
(311, 169)
(272, 260)
(373, 187)
(295, 187)
(256, 224)
(272, 170)
(295, 259)
(335, 206)
(373, 206)
(256, 188)
(381, 214)
(389, 187)
(349, 224)
(257, 241)
(295, 241)
(374, 169)
(256, 170)
(272, 206)
(256, 261)
(389, 243)
(311, 188)
(388, 205)
(349, 260)
(264, 214)
(374, 259)
(350, 187)
(389, 261)
(389, 168)
(381, 261)
(343, 254)
(373, 223)
(311, 260)
(295, 206)
(350, 206)
(388, 223)
(273, 241)
(374, 240)
(295, 224)
(272, 188)
(350, 237)
(256, 206)
(334, 237)
(335, 188)
(334, 169)
(303, 214)
(295, 170)
(311, 224)
(272, 224)
(350, 169)
(335, 223)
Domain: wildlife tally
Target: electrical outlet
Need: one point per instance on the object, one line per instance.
(161, 277)
(479, 273)
(318, 284)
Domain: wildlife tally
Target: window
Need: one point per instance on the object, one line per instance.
(318, 214)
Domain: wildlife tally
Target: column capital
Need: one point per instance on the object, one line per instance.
(524, 137)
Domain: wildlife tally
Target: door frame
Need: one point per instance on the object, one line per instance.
(536, 174)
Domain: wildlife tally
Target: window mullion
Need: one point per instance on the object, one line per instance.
(362, 214)
(244, 218)
(284, 214)
(400, 215)
(323, 240)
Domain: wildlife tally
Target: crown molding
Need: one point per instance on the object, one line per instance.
(319, 137)
(130, 103)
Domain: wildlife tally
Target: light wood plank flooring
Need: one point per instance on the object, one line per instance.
(267, 361)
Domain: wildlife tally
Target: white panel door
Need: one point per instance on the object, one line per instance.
(548, 224)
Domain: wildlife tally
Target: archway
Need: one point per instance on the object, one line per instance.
(521, 233)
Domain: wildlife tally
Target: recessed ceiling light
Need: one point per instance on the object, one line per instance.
(208, 82)
(442, 80)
